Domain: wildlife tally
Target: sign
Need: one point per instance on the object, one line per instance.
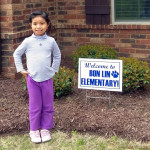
(100, 74)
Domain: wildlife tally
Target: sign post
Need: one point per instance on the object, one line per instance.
(100, 74)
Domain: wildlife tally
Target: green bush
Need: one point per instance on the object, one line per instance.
(24, 82)
(93, 51)
(64, 82)
(136, 74)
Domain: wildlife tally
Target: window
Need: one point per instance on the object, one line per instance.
(131, 11)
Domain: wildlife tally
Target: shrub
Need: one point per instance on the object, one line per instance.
(136, 74)
(63, 81)
(24, 82)
(93, 51)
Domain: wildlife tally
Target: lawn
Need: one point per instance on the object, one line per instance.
(73, 141)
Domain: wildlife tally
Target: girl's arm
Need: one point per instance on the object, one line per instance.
(24, 72)
(56, 57)
(18, 57)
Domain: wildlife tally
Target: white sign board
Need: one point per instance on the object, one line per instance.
(100, 74)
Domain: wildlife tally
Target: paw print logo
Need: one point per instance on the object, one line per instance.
(115, 74)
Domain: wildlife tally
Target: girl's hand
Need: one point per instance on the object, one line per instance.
(24, 72)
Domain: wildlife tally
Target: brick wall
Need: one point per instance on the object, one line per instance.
(69, 20)
(132, 42)
(15, 27)
(72, 32)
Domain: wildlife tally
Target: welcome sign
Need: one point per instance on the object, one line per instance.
(100, 74)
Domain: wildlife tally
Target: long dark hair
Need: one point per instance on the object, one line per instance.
(42, 14)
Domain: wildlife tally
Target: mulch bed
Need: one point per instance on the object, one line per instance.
(129, 116)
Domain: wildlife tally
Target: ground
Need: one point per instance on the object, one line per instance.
(128, 117)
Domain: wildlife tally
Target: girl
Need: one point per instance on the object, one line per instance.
(39, 48)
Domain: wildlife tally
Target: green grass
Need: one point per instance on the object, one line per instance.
(63, 141)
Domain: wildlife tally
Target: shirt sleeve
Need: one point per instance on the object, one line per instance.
(18, 56)
(56, 57)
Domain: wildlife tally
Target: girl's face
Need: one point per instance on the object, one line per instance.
(39, 26)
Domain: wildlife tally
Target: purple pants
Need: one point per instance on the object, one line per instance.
(41, 109)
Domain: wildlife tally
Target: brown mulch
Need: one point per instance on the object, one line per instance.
(129, 116)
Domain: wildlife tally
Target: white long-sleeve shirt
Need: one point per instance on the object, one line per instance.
(38, 51)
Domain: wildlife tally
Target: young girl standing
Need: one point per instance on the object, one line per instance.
(39, 48)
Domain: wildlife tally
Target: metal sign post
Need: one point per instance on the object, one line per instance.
(106, 97)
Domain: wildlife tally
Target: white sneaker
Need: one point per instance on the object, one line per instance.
(45, 135)
(35, 136)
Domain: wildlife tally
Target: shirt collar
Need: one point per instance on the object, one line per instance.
(39, 37)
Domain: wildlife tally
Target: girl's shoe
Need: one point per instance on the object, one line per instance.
(45, 135)
(35, 136)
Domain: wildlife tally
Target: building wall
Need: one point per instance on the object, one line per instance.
(71, 30)
(15, 27)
